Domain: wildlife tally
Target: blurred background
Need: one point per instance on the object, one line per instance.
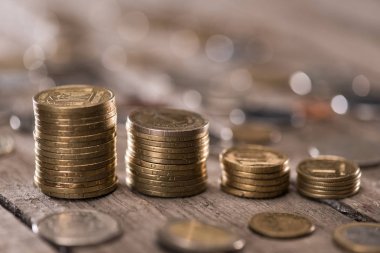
(257, 69)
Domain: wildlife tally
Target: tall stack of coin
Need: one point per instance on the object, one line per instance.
(75, 130)
(167, 152)
(253, 171)
(328, 177)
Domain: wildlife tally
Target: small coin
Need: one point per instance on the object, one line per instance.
(254, 133)
(329, 183)
(166, 177)
(108, 134)
(78, 156)
(170, 144)
(196, 149)
(73, 162)
(94, 149)
(254, 188)
(84, 174)
(74, 145)
(173, 189)
(253, 159)
(110, 163)
(86, 195)
(78, 121)
(256, 176)
(262, 182)
(77, 228)
(83, 113)
(184, 161)
(251, 194)
(74, 179)
(160, 183)
(351, 186)
(87, 184)
(326, 196)
(281, 225)
(167, 138)
(195, 236)
(361, 237)
(167, 173)
(7, 144)
(167, 122)
(169, 156)
(328, 192)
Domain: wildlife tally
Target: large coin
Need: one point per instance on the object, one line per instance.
(281, 225)
(262, 182)
(196, 149)
(167, 138)
(171, 167)
(82, 174)
(166, 177)
(167, 122)
(101, 153)
(106, 135)
(73, 162)
(77, 228)
(162, 183)
(110, 163)
(74, 145)
(74, 179)
(184, 161)
(85, 195)
(253, 158)
(329, 188)
(7, 144)
(74, 190)
(87, 184)
(361, 237)
(94, 149)
(170, 156)
(75, 121)
(254, 188)
(167, 144)
(328, 169)
(251, 194)
(256, 176)
(194, 236)
(329, 183)
(326, 196)
(172, 189)
(328, 192)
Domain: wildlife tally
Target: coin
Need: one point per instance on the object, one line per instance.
(177, 156)
(328, 192)
(169, 173)
(254, 188)
(77, 228)
(79, 156)
(87, 184)
(74, 179)
(106, 135)
(256, 176)
(73, 162)
(166, 138)
(167, 189)
(305, 185)
(85, 195)
(167, 122)
(361, 237)
(109, 163)
(85, 150)
(255, 133)
(73, 190)
(251, 194)
(328, 183)
(201, 148)
(171, 167)
(327, 196)
(161, 183)
(195, 236)
(183, 161)
(78, 121)
(160, 194)
(170, 144)
(83, 174)
(166, 177)
(281, 225)
(261, 182)
(7, 144)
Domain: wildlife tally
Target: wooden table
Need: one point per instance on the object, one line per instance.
(140, 216)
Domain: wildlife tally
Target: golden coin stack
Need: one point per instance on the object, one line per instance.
(253, 171)
(167, 152)
(75, 130)
(328, 177)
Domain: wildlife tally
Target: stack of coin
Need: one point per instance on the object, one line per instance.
(75, 130)
(328, 177)
(167, 152)
(253, 171)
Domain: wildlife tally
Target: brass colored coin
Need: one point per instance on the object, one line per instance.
(194, 236)
(328, 168)
(328, 183)
(250, 194)
(255, 182)
(161, 183)
(72, 98)
(104, 109)
(110, 163)
(79, 121)
(111, 133)
(167, 122)
(74, 145)
(326, 196)
(254, 133)
(73, 162)
(86, 195)
(255, 170)
(167, 138)
(140, 169)
(281, 225)
(73, 180)
(184, 161)
(74, 185)
(196, 149)
(254, 188)
(253, 158)
(174, 189)
(328, 188)
(167, 194)
(255, 176)
(169, 144)
(328, 192)
(360, 237)
(7, 144)
(84, 174)
(85, 156)
(170, 167)
(166, 178)
(177, 156)
(111, 145)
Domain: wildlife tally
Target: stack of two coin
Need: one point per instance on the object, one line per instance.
(167, 152)
(75, 130)
(253, 171)
(328, 177)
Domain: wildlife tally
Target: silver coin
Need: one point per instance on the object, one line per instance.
(195, 236)
(7, 144)
(77, 228)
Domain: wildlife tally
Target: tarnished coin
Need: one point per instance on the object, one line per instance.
(161, 183)
(106, 135)
(77, 228)
(281, 225)
(262, 182)
(328, 183)
(195, 236)
(101, 153)
(170, 144)
(256, 176)
(251, 194)
(361, 237)
(83, 195)
(167, 138)
(329, 195)
(167, 122)
(183, 161)
(7, 144)
(166, 177)
(75, 121)
(85, 150)
(167, 189)
(170, 156)
(254, 188)
(168, 173)
(201, 148)
(87, 184)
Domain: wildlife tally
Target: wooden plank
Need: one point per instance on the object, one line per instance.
(141, 216)
(16, 237)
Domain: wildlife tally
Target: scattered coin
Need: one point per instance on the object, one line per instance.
(195, 236)
(77, 228)
(361, 237)
(281, 225)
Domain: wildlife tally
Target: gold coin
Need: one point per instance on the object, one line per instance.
(83, 113)
(191, 172)
(255, 182)
(173, 189)
(76, 162)
(72, 98)
(167, 138)
(184, 161)
(255, 176)
(75, 179)
(110, 163)
(70, 173)
(197, 149)
(153, 193)
(329, 183)
(87, 184)
(74, 145)
(254, 188)
(111, 133)
(360, 237)
(328, 192)
(328, 188)
(166, 178)
(173, 144)
(177, 156)
(79, 121)
(281, 225)
(326, 196)
(161, 183)
(250, 194)
(194, 236)
(79, 156)
(253, 158)
(328, 169)
(86, 195)
(254, 133)
(167, 122)
(111, 145)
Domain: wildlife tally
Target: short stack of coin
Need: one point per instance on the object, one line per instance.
(75, 130)
(328, 177)
(167, 152)
(253, 171)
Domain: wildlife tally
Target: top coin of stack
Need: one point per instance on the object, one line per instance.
(253, 171)
(167, 152)
(328, 177)
(75, 130)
